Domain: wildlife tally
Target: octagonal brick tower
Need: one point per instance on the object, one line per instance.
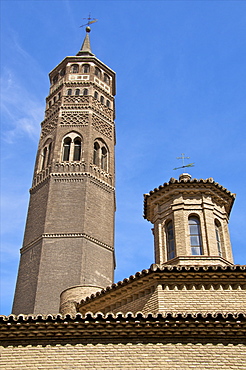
(190, 218)
(69, 235)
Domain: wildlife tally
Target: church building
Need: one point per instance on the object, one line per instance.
(187, 310)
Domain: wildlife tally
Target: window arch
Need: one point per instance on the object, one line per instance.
(63, 72)
(77, 149)
(69, 92)
(77, 92)
(72, 147)
(66, 148)
(45, 157)
(106, 78)
(96, 154)
(108, 103)
(55, 79)
(97, 72)
(170, 240)
(195, 236)
(96, 95)
(101, 155)
(217, 225)
(74, 68)
(85, 68)
(102, 99)
(104, 158)
(85, 92)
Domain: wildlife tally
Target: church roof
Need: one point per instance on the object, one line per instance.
(160, 271)
(185, 184)
(88, 326)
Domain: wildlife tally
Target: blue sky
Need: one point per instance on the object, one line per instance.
(181, 81)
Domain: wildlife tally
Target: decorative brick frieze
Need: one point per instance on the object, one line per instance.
(102, 126)
(75, 117)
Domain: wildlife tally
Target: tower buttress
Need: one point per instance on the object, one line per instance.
(190, 220)
(69, 235)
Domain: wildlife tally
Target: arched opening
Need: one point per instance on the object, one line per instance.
(85, 68)
(77, 92)
(77, 149)
(66, 148)
(218, 236)
(104, 158)
(97, 72)
(69, 92)
(102, 99)
(170, 240)
(195, 236)
(49, 154)
(96, 95)
(108, 103)
(85, 92)
(74, 68)
(44, 158)
(106, 78)
(96, 154)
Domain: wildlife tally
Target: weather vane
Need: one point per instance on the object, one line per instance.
(184, 165)
(90, 21)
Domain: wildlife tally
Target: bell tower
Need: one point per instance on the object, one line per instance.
(190, 218)
(69, 235)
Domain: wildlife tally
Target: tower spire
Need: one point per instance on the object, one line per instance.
(86, 46)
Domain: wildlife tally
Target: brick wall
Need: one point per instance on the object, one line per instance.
(130, 355)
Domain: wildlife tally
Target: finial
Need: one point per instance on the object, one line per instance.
(183, 158)
(90, 21)
(86, 47)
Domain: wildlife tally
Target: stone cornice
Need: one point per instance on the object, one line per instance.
(29, 327)
(67, 235)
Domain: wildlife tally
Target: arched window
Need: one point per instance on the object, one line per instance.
(63, 72)
(66, 148)
(77, 149)
(106, 78)
(54, 99)
(44, 158)
(218, 236)
(77, 91)
(49, 154)
(97, 72)
(85, 68)
(102, 99)
(108, 103)
(69, 92)
(96, 154)
(74, 68)
(96, 95)
(55, 79)
(104, 158)
(85, 92)
(49, 103)
(101, 155)
(170, 240)
(59, 95)
(195, 236)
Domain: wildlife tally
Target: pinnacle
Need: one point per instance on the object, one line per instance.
(86, 47)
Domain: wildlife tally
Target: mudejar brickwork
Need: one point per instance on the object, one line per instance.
(186, 311)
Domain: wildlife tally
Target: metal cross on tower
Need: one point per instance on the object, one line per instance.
(183, 164)
(90, 21)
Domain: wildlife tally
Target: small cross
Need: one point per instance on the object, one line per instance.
(183, 164)
(183, 158)
(90, 21)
